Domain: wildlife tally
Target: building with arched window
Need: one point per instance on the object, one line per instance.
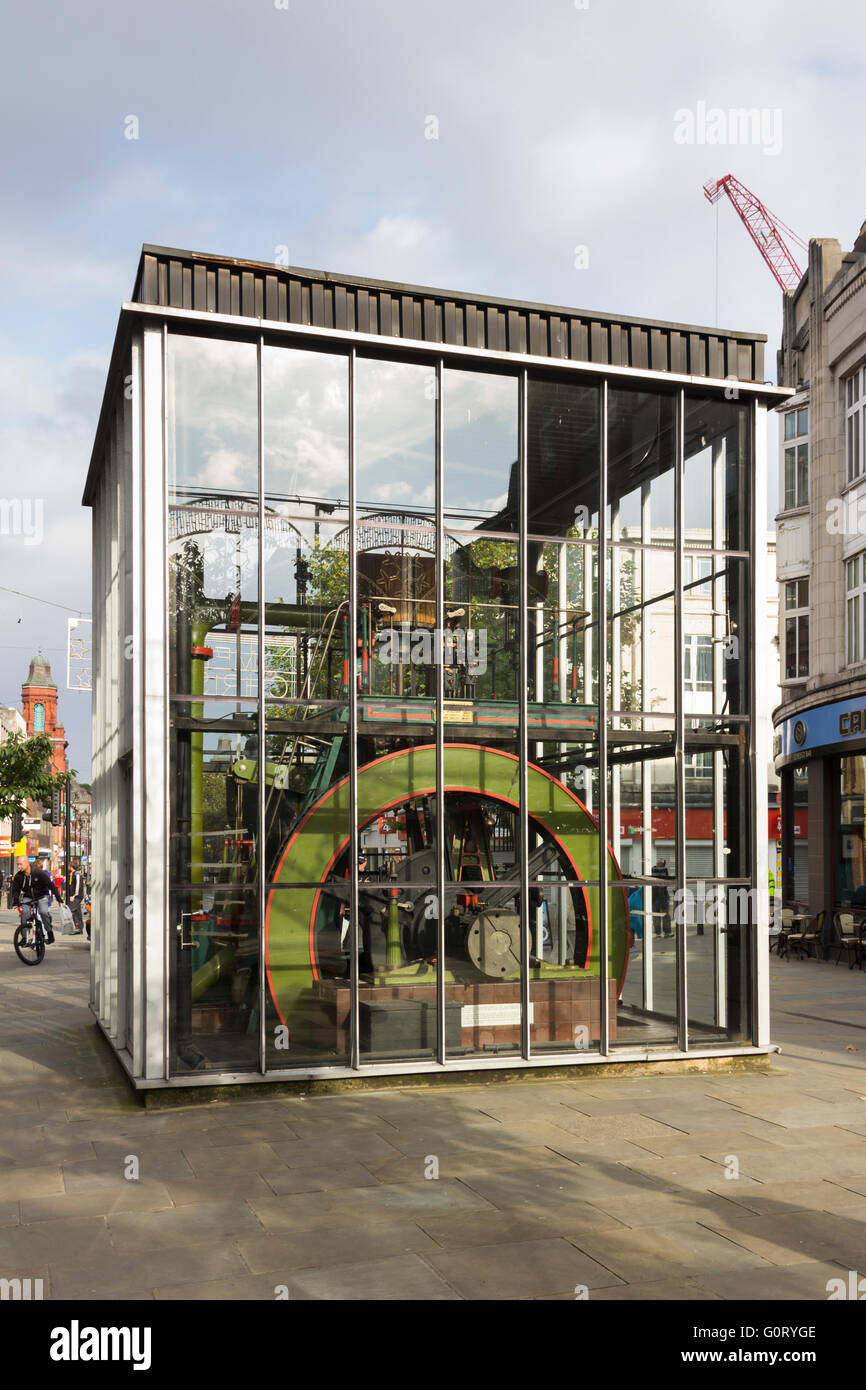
(39, 707)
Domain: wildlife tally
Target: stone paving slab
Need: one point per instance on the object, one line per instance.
(543, 1188)
(245, 1185)
(402, 1278)
(199, 1223)
(524, 1269)
(335, 1245)
(682, 1248)
(807, 1280)
(789, 1237)
(129, 1196)
(660, 1291)
(666, 1208)
(144, 1270)
(323, 1177)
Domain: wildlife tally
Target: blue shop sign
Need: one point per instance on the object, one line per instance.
(826, 726)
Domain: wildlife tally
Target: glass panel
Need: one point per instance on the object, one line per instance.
(306, 423)
(718, 474)
(803, 421)
(563, 887)
(642, 810)
(395, 438)
(212, 425)
(719, 921)
(852, 832)
(563, 458)
(803, 645)
(307, 669)
(641, 456)
(482, 616)
(641, 627)
(479, 422)
(853, 446)
(802, 475)
(790, 649)
(726, 626)
(790, 478)
(213, 891)
(717, 800)
(790, 424)
(213, 616)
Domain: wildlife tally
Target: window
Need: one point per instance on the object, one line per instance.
(698, 764)
(855, 584)
(796, 458)
(38, 719)
(698, 671)
(854, 440)
(697, 567)
(796, 620)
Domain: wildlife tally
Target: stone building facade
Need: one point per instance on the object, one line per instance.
(820, 728)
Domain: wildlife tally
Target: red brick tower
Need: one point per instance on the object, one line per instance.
(39, 707)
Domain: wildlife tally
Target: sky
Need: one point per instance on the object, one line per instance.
(531, 151)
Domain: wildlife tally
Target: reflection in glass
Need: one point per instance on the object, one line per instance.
(641, 460)
(395, 454)
(479, 423)
(212, 410)
(717, 492)
(563, 457)
(306, 425)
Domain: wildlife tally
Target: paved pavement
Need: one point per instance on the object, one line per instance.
(622, 1185)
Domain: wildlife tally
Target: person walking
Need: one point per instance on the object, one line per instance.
(76, 897)
(661, 901)
(32, 884)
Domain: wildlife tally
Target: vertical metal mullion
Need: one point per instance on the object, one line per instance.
(169, 947)
(719, 626)
(647, 773)
(439, 657)
(759, 732)
(680, 916)
(354, 1044)
(522, 746)
(603, 948)
(260, 694)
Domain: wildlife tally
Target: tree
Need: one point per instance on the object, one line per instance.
(25, 773)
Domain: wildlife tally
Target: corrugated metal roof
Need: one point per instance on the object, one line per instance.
(287, 294)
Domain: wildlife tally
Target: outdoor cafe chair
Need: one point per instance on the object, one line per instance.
(846, 937)
(812, 935)
(783, 936)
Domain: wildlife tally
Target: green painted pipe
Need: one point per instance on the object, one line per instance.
(323, 834)
(198, 638)
(220, 963)
(393, 949)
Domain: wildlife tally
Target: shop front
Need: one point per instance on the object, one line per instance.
(820, 752)
(409, 754)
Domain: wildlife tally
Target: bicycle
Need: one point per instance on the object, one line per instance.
(29, 939)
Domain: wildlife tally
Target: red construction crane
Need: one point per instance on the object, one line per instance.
(763, 227)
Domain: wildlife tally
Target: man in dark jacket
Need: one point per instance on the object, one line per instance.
(34, 885)
(76, 895)
(661, 901)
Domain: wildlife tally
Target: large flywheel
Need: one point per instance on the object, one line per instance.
(307, 894)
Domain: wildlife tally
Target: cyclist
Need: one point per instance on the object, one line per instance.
(34, 885)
